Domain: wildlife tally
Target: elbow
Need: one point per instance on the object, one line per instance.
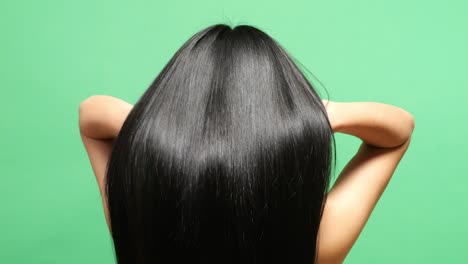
(410, 125)
(82, 109)
(85, 113)
(405, 127)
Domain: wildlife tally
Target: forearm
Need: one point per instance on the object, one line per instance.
(102, 116)
(377, 124)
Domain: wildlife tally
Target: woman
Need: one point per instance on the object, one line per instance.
(227, 157)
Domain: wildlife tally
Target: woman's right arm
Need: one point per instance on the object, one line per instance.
(385, 131)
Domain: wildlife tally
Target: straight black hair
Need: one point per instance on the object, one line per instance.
(225, 158)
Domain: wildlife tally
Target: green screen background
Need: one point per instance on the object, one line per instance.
(54, 54)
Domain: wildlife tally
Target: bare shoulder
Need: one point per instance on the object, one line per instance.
(353, 197)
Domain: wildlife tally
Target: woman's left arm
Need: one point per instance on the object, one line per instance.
(100, 119)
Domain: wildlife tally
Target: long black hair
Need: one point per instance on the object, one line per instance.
(225, 158)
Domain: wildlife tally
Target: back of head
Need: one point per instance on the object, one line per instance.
(225, 158)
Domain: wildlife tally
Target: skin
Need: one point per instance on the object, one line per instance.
(385, 131)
